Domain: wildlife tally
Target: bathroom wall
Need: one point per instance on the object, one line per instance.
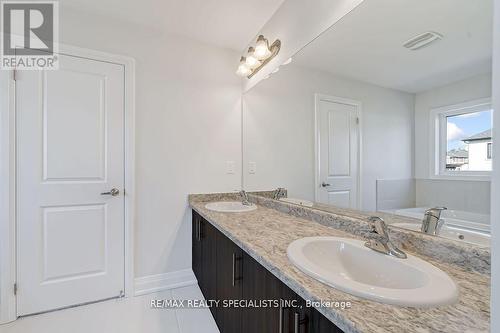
(187, 127)
(473, 195)
(279, 131)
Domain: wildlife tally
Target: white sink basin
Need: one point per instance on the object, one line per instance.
(305, 203)
(230, 207)
(464, 235)
(347, 265)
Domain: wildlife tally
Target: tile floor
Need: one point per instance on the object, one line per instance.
(127, 315)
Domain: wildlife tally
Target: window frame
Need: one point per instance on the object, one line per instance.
(439, 142)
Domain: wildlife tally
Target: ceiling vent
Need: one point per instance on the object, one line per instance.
(422, 40)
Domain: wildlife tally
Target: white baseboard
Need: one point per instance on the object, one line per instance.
(154, 283)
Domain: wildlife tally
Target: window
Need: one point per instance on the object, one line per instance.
(462, 142)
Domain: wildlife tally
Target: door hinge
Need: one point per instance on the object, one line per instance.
(357, 120)
(15, 288)
(14, 75)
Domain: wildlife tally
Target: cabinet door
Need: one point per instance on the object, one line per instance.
(229, 286)
(302, 319)
(208, 234)
(258, 284)
(204, 256)
(196, 248)
(296, 317)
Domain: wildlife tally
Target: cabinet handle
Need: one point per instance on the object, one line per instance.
(235, 258)
(196, 227)
(297, 322)
(281, 317)
(234, 269)
(199, 230)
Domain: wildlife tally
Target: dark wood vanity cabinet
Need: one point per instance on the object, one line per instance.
(225, 272)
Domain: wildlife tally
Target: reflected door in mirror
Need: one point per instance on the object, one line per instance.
(337, 125)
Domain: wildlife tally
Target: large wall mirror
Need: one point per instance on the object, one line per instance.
(389, 111)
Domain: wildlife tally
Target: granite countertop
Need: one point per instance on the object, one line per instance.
(470, 256)
(265, 234)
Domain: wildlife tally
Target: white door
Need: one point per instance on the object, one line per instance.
(70, 149)
(337, 123)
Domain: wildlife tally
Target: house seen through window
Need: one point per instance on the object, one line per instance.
(469, 141)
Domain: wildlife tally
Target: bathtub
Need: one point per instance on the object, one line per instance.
(463, 226)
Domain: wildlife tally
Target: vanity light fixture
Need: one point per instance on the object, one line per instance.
(251, 61)
(258, 56)
(262, 48)
(243, 69)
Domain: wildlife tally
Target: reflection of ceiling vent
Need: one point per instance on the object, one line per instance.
(422, 40)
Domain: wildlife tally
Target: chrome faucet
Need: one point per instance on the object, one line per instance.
(279, 193)
(244, 198)
(381, 242)
(432, 222)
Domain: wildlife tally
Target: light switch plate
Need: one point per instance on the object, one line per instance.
(230, 166)
(252, 167)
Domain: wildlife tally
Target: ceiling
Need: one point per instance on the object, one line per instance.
(229, 24)
(366, 45)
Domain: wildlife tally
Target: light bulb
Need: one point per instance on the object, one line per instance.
(251, 61)
(261, 48)
(276, 70)
(243, 69)
(288, 61)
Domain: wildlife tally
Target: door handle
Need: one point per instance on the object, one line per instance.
(323, 184)
(113, 192)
